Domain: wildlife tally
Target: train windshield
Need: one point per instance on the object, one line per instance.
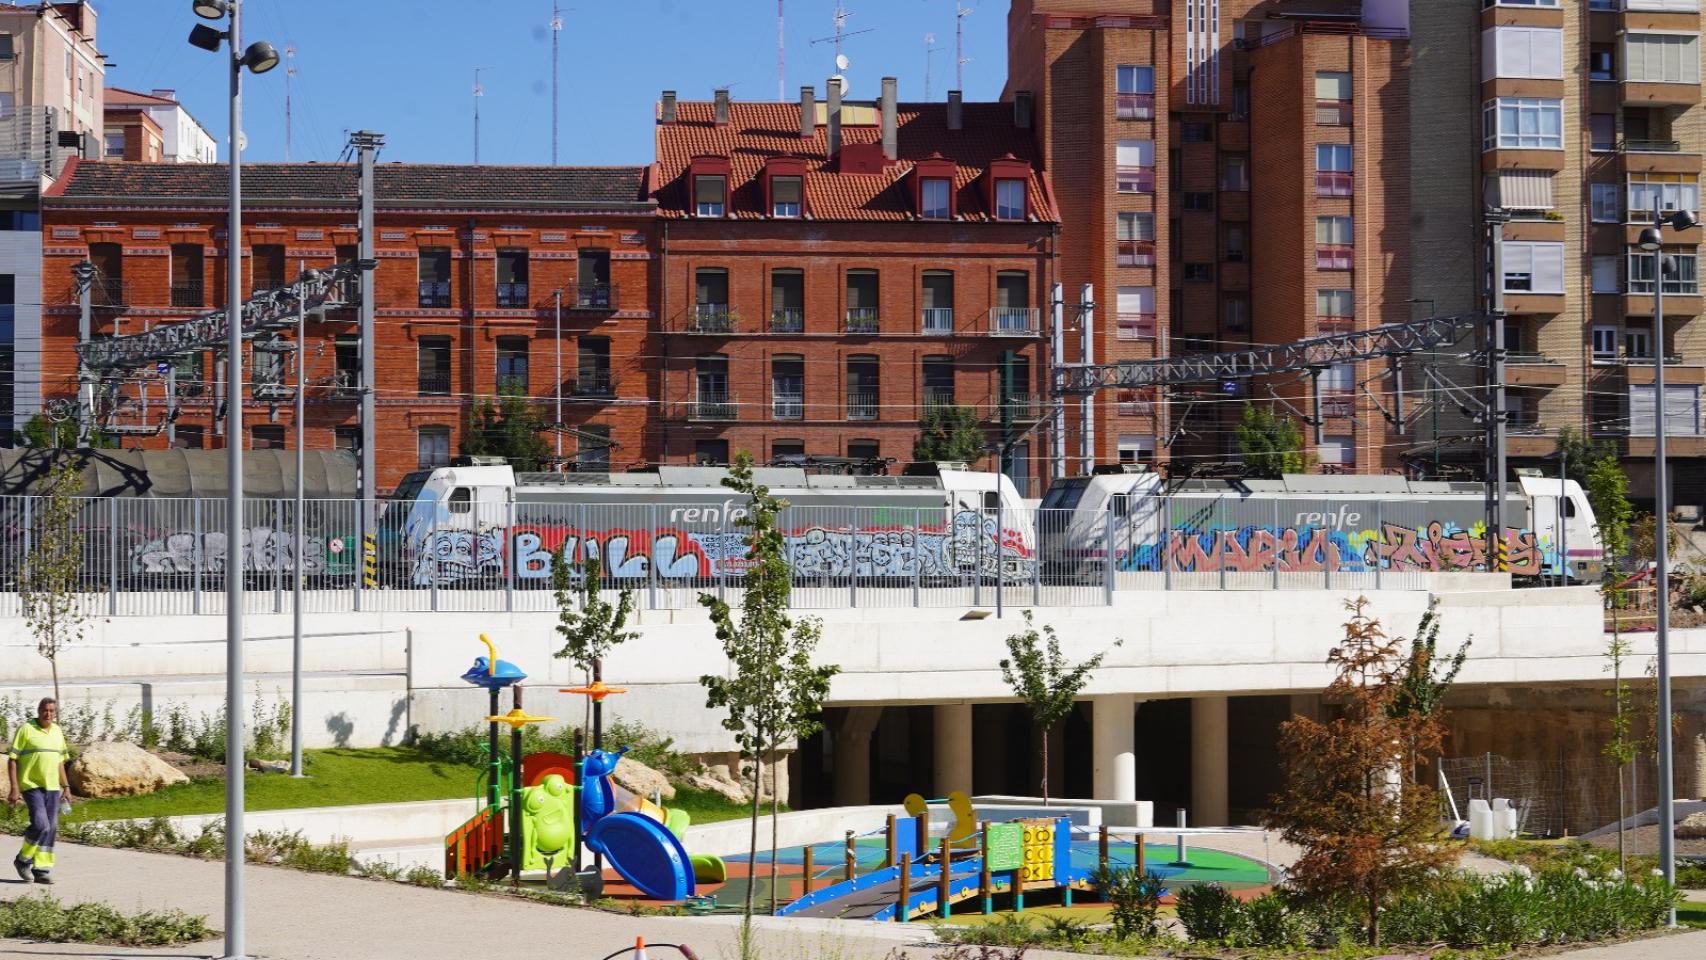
(411, 485)
(1064, 494)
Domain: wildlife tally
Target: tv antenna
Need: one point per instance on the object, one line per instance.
(479, 92)
(289, 71)
(781, 59)
(960, 58)
(841, 33)
(556, 31)
(929, 55)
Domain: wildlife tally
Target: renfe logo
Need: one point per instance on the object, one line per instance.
(728, 511)
(1338, 521)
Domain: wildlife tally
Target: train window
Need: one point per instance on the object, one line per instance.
(991, 499)
(410, 486)
(1121, 504)
(461, 500)
(1064, 494)
(1569, 508)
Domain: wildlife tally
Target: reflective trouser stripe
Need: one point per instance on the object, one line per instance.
(43, 829)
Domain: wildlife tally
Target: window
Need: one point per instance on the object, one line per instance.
(113, 144)
(1682, 410)
(512, 279)
(6, 50)
(592, 367)
(1234, 242)
(346, 357)
(1522, 123)
(1240, 102)
(1661, 58)
(1336, 452)
(1522, 53)
(1135, 313)
(434, 276)
(512, 365)
(1339, 378)
(1681, 271)
(1195, 132)
(787, 452)
(1134, 166)
(1604, 203)
(1604, 343)
(1137, 447)
(433, 366)
(1520, 3)
(1013, 311)
(1637, 345)
(863, 388)
(186, 275)
(1335, 304)
(1009, 199)
(788, 387)
(1605, 274)
(711, 453)
(188, 436)
(266, 269)
(787, 301)
(432, 447)
(934, 195)
(938, 381)
(108, 261)
(1333, 243)
(938, 301)
(592, 279)
(1533, 267)
(1602, 131)
(1199, 273)
(711, 388)
(1602, 62)
(784, 196)
(1175, 240)
(711, 301)
(1235, 173)
(592, 448)
(1134, 98)
(863, 450)
(862, 291)
(268, 436)
(1332, 98)
(1333, 176)
(1199, 202)
(1527, 190)
(1670, 6)
(710, 195)
(1134, 239)
(1235, 313)
(1665, 192)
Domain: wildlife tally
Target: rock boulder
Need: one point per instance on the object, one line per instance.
(1692, 827)
(108, 769)
(641, 780)
(725, 787)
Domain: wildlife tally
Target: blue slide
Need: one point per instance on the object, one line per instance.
(643, 851)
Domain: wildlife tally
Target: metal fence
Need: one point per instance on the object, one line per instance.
(147, 557)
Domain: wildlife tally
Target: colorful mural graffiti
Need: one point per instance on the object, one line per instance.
(1434, 548)
(264, 549)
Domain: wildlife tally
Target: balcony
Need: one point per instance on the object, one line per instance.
(1533, 370)
(861, 403)
(108, 292)
(861, 320)
(1651, 146)
(1526, 436)
(188, 293)
(1332, 324)
(788, 320)
(512, 296)
(788, 406)
(1134, 253)
(1635, 93)
(713, 319)
(711, 405)
(1014, 321)
(265, 283)
(1333, 183)
(1134, 106)
(1338, 403)
(433, 385)
(938, 321)
(435, 293)
(937, 395)
(1334, 256)
(1018, 408)
(1640, 371)
(1333, 113)
(596, 383)
(346, 383)
(593, 296)
(1135, 326)
(1134, 179)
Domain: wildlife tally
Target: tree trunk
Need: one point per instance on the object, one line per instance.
(774, 804)
(1045, 765)
(752, 857)
(53, 663)
(1622, 805)
(1373, 917)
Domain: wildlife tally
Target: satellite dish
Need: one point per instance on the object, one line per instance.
(841, 82)
(841, 61)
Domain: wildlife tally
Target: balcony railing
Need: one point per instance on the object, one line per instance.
(593, 383)
(1652, 146)
(1135, 253)
(788, 320)
(1014, 321)
(1134, 179)
(188, 293)
(1525, 424)
(938, 396)
(433, 385)
(1684, 287)
(861, 403)
(1333, 113)
(711, 405)
(1023, 407)
(1135, 326)
(788, 406)
(862, 320)
(938, 320)
(512, 296)
(1333, 256)
(1527, 358)
(711, 318)
(1671, 359)
(435, 293)
(1134, 106)
(1338, 403)
(265, 283)
(593, 296)
(1332, 323)
(108, 292)
(1333, 183)
(346, 383)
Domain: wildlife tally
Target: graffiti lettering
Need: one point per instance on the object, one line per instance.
(263, 550)
(1434, 548)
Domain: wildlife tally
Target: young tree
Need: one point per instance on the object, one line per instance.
(949, 433)
(773, 693)
(1426, 677)
(47, 588)
(1608, 493)
(1041, 676)
(1360, 838)
(589, 624)
(1269, 445)
(1581, 452)
(510, 428)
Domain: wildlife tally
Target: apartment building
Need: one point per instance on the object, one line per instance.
(829, 270)
(155, 127)
(534, 280)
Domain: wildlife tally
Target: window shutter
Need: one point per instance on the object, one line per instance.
(1641, 410)
(1135, 153)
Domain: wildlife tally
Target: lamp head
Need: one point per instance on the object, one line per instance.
(310, 274)
(1650, 240)
(1682, 220)
(260, 57)
(206, 37)
(210, 9)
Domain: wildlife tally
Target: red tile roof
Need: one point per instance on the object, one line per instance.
(757, 132)
(120, 97)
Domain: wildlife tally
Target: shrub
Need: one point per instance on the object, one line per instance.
(291, 849)
(43, 918)
(1134, 901)
(1209, 913)
(1270, 922)
(1007, 930)
(423, 877)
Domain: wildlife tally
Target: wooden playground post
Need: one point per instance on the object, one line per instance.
(852, 868)
(890, 860)
(900, 910)
(984, 883)
(921, 845)
(943, 908)
(807, 869)
(1102, 848)
(1142, 867)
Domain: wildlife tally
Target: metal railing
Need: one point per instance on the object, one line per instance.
(1014, 321)
(861, 403)
(938, 396)
(788, 406)
(788, 320)
(861, 320)
(1134, 253)
(592, 296)
(433, 384)
(434, 293)
(188, 293)
(1652, 146)
(1330, 256)
(712, 405)
(1134, 106)
(938, 320)
(108, 292)
(1131, 179)
(711, 318)
(512, 296)
(1333, 183)
(159, 557)
(1333, 113)
(593, 383)
(1135, 326)
(1528, 358)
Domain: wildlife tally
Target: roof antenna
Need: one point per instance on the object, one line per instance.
(479, 92)
(289, 71)
(841, 34)
(960, 58)
(781, 58)
(556, 29)
(929, 55)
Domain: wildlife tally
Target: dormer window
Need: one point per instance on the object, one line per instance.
(933, 198)
(710, 195)
(785, 196)
(1009, 199)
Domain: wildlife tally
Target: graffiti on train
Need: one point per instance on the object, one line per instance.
(1434, 547)
(263, 549)
(969, 545)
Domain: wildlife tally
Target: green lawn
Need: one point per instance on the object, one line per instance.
(1691, 913)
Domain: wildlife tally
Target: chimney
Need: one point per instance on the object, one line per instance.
(1022, 109)
(891, 139)
(808, 112)
(956, 116)
(722, 107)
(834, 89)
(164, 94)
(668, 115)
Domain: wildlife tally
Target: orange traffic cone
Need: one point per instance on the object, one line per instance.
(639, 948)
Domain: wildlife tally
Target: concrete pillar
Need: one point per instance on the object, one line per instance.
(853, 755)
(1208, 762)
(1691, 757)
(953, 748)
(1113, 738)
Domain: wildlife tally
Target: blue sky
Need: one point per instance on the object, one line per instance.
(406, 67)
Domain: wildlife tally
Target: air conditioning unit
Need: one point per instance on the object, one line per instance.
(1239, 43)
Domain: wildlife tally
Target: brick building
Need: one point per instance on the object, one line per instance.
(469, 260)
(828, 270)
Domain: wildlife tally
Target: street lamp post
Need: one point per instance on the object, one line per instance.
(258, 57)
(1652, 241)
(296, 567)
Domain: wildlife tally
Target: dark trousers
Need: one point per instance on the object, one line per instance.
(37, 852)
